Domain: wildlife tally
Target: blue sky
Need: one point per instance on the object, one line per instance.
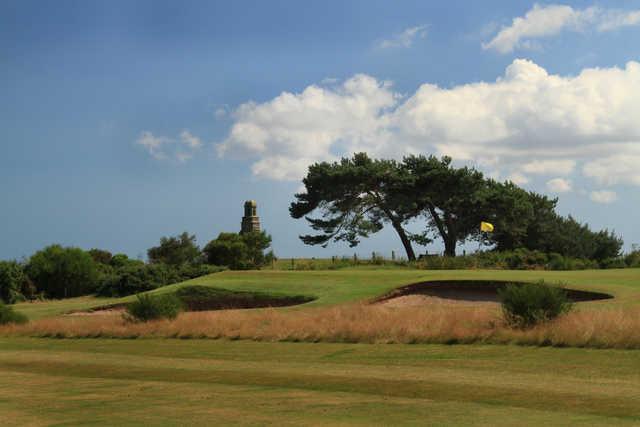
(125, 121)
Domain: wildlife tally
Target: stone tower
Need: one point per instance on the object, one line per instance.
(250, 220)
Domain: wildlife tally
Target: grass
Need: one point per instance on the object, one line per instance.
(174, 382)
(154, 381)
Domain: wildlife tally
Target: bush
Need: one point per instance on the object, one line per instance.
(525, 305)
(136, 278)
(191, 271)
(632, 259)
(149, 307)
(618, 262)
(63, 272)
(12, 281)
(9, 315)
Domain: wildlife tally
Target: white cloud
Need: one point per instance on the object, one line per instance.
(404, 39)
(162, 147)
(549, 167)
(614, 19)
(293, 130)
(559, 185)
(526, 122)
(622, 167)
(603, 196)
(551, 20)
(189, 140)
(153, 144)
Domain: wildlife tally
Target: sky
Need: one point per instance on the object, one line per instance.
(125, 121)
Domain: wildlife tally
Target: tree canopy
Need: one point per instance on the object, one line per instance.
(239, 251)
(62, 272)
(355, 197)
(176, 250)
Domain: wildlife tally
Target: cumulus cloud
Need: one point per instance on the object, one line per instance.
(551, 20)
(163, 148)
(293, 130)
(526, 122)
(559, 185)
(618, 168)
(549, 167)
(603, 196)
(404, 39)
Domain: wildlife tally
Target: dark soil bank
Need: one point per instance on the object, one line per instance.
(476, 290)
(203, 298)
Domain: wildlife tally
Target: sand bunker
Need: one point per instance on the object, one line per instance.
(464, 291)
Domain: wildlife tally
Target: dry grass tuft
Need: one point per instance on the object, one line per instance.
(435, 323)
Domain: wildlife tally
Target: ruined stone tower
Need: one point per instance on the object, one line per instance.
(250, 220)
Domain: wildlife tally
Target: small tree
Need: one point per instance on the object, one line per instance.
(100, 256)
(62, 272)
(238, 251)
(176, 250)
(12, 281)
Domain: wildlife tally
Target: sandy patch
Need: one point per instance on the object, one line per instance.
(422, 300)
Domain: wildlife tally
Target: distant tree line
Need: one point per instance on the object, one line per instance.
(63, 272)
(356, 197)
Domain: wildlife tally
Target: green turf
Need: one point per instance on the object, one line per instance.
(174, 382)
(347, 285)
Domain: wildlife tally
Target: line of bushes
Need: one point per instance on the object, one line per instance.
(523, 259)
(64, 272)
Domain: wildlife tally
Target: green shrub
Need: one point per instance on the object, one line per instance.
(525, 305)
(136, 278)
(148, 307)
(9, 315)
(12, 280)
(618, 262)
(632, 259)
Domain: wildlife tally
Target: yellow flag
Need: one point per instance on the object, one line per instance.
(486, 227)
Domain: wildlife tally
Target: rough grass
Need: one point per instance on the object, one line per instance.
(436, 323)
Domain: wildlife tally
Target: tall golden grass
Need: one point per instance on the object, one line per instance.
(615, 328)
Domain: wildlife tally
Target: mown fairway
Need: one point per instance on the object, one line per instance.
(207, 382)
(174, 382)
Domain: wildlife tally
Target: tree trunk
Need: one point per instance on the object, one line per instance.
(450, 246)
(405, 241)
